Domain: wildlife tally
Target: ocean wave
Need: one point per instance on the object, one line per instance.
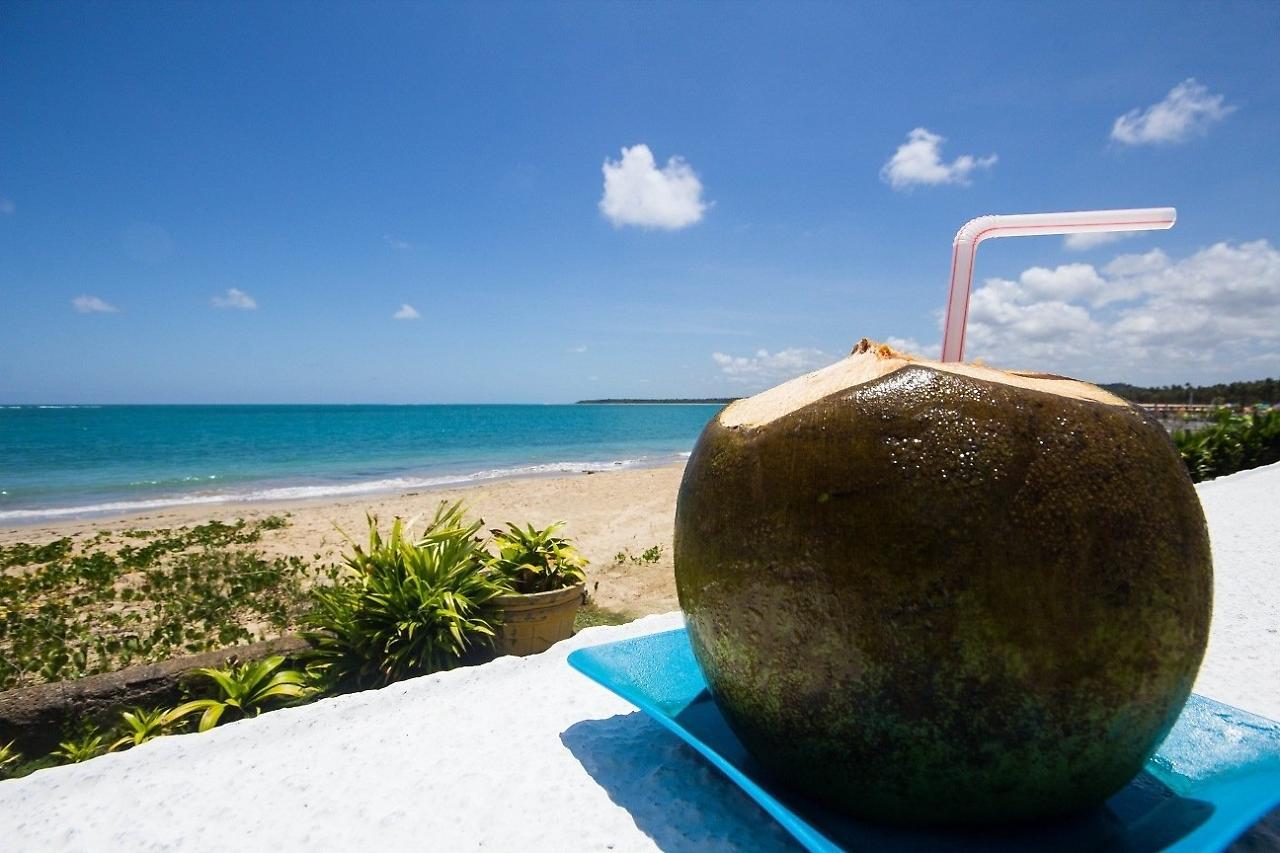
(329, 490)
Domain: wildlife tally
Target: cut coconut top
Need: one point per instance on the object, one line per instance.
(870, 361)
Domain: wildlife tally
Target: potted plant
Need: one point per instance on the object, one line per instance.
(546, 575)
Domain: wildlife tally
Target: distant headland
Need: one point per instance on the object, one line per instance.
(673, 401)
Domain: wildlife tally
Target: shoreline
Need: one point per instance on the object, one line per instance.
(622, 510)
(265, 493)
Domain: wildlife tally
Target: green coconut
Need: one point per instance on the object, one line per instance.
(927, 592)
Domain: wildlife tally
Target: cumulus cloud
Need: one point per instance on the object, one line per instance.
(1093, 239)
(7, 207)
(765, 368)
(581, 348)
(396, 242)
(406, 312)
(918, 161)
(92, 305)
(235, 298)
(1141, 318)
(1189, 109)
(637, 192)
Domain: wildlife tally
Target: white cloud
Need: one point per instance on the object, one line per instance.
(235, 298)
(637, 192)
(1093, 239)
(911, 346)
(1069, 282)
(1141, 318)
(581, 348)
(92, 305)
(1188, 110)
(765, 368)
(406, 312)
(919, 161)
(7, 207)
(396, 243)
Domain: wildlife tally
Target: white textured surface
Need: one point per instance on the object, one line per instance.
(432, 764)
(1242, 664)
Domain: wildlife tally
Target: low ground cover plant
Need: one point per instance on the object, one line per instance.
(1234, 442)
(89, 744)
(243, 690)
(142, 725)
(648, 556)
(70, 609)
(218, 695)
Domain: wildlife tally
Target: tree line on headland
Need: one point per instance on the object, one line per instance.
(689, 401)
(1225, 394)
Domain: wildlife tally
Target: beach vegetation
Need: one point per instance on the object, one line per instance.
(537, 560)
(648, 556)
(406, 605)
(70, 609)
(244, 690)
(90, 743)
(141, 725)
(591, 615)
(1233, 442)
(10, 758)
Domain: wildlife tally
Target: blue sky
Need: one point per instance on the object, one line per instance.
(231, 203)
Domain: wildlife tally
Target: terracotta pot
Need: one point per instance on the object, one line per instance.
(532, 622)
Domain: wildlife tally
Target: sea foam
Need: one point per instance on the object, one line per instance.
(328, 490)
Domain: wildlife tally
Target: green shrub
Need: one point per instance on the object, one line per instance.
(535, 560)
(405, 607)
(245, 690)
(90, 744)
(1233, 443)
(142, 725)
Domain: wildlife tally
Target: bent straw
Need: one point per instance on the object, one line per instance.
(965, 248)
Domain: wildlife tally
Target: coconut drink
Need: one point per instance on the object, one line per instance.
(924, 590)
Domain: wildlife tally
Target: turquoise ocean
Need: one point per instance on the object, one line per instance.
(83, 461)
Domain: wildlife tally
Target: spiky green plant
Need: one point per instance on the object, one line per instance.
(9, 758)
(245, 690)
(406, 606)
(89, 744)
(142, 725)
(536, 560)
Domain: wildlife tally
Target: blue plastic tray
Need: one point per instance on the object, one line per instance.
(1216, 774)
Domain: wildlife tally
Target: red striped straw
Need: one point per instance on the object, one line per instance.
(965, 248)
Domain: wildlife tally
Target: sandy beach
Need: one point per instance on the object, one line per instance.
(606, 513)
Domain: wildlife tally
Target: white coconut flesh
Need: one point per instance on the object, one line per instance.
(870, 361)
